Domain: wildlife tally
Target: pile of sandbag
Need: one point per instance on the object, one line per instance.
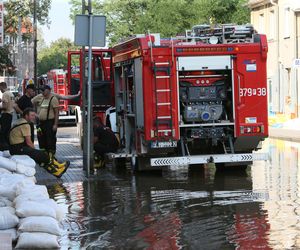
(26, 211)
(20, 164)
(39, 217)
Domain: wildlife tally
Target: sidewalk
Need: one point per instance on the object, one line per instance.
(68, 149)
(289, 130)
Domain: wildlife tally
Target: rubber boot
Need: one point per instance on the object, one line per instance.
(52, 156)
(53, 169)
(99, 162)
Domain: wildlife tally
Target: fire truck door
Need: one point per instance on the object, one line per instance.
(250, 95)
(73, 76)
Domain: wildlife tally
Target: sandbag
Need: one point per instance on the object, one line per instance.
(25, 170)
(58, 208)
(33, 208)
(41, 224)
(1, 153)
(8, 219)
(33, 196)
(37, 240)
(30, 189)
(12, 232)
(24, 160)
(8, 183)
(4, 171)
(6, 154)
(4, 202)
(8, 164)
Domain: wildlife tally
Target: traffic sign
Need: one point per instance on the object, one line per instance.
(98, 31)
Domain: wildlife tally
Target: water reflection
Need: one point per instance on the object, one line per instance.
(278, 186)
(195, 209)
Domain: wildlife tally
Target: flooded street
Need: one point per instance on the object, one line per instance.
(196, 209)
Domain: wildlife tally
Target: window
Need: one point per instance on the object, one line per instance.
(286, 22)
(261, 24)
(272, 25)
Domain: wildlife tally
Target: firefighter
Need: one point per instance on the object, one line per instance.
(25, 102)
(47, 109)
(8, 104)
(105, 141)
(21, 144)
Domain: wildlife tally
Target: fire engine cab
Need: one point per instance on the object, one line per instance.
(193, 99)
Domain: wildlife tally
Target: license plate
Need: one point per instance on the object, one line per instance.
(62, 112)
(164, 144)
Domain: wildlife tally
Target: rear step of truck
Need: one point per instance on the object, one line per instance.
(214, 158)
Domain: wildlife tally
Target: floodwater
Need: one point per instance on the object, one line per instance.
(198, 208)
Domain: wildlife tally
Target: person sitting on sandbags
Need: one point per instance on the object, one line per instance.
(21, 144)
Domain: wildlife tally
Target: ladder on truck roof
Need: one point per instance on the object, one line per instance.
(222, 34)
(163, 90)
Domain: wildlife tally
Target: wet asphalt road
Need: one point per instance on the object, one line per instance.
(196, 208)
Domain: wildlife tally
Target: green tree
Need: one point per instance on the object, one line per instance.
(167, 17)
(24, 9)
(54, 56)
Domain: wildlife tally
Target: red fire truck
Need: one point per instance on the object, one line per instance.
(193, 99)
(56, 78)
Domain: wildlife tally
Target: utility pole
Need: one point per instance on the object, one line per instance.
(87, 96)
(35, 44)
(83, 108)
(90, 143)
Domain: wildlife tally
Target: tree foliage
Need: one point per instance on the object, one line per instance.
(24, 9)
(54, 56)
(167, 17)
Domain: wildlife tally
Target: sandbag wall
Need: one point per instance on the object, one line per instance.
(26, 211)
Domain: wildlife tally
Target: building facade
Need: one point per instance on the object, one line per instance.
(280, 21)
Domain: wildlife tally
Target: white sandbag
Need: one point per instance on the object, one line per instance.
(30, 188)
(6, 154)
(8, 219)
(24, 160)
(12, 232)
(34, 208)
(8, 184)
(34, 196)
(4, 202)
(4, 171)
(1, 153)
(25, 170)
(41, 224)
(37, 240)
(8, 164)
(60, 210)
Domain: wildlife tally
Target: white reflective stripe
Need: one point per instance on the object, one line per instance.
(163, 103)
(162, 63)
(164, 130)
(163, 117)
(163, 90)
(162, 77)
(201, 159)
